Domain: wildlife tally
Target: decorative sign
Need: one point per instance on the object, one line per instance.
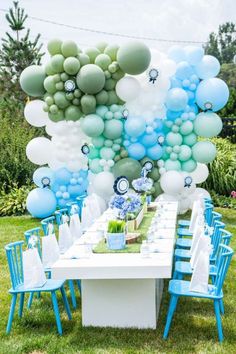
(121, 185)
(188, 181)
(85, 149)
(153, 75)
(69, 85)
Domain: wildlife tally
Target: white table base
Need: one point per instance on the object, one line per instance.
(122, 303)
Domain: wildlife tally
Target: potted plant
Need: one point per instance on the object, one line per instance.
(116, 235)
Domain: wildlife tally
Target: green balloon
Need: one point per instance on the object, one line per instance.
(171, 165)
(101, 46)
(110, 84)
(118, 75)
(108, 143)
(54, 46)
(93, 153)
(57, 62)
(92, 125)
(60, 100)
(189, 166)
(116, 147)
(102, 97)
(154, 174)
(207, 124)
(103, 61)
(112, 98)
(190, 139)
(31, 80)
(57, 117)
(48, 69)
(64, 77)
(69, 49)
(113, 129)
(90, 79)
(71, 65)
(88, 104)
(94, 166)
(158, 189)
(186, 128)
(204, 152)
(53, 109)
(127, 167)
(73, 113)
(107, 153)
(185, 153)
(92, 53)
(83, 59)
(98, 141)
(111, 50)
(133, 57)
(101, 110)
(49, 85)
(124, 153)
(173, 139)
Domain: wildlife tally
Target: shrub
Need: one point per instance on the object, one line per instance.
(223, 201)
(14, 202)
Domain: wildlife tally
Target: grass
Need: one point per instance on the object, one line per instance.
(193, 328)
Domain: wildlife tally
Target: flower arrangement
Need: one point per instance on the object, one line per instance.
(142, 184)
(126, 204)
(233, 194)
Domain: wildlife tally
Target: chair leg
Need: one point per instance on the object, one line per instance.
(222, 308)
(72, 293)
(79, 286)
(171, 310)
(66, 303)
(11, 313)
(22, 297)
(30, 300)
(218, 320)
(56, 312)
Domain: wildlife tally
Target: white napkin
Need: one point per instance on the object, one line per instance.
(34, 276)
(50, 250)
(86, 217)
(65, 238)
(195, 211)
(200, 276)
(75, 227)
(198, 230)
(203, 243)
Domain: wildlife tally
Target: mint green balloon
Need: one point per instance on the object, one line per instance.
(102, 97)
(94, 153)
(186, 127)
(107, 153)
(207, 124)
(90, 79)
(54, 46)
(109, 84)
(48, 69)
(204, 152)
(92, 125)
(116, 147)
(71, 65)
(57, 62)
(127, 167)
(101, 110)
(69, 49)
(173, 139)
(189, 165)
(103, 61)
(73, 113)
(108, 143)
(88, 104)
(190, 139)
(83, 59)
(185, 153)
(98, 141)
(50, 85)
(60, 100)
(113, 129)
(172, 165)
(94, 166)
(111, 50)
(32, 79)
(101, 46)
(133, 57)
(92, 53)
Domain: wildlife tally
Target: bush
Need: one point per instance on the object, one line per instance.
(222, 171)
(222, 201)
(14, 202)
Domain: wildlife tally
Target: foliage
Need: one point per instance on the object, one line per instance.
(16, 54)
(14, 202)
(222, 171)
(223, 44)
(228, 74)
(116, 226)
(127, 203)
(223, 201)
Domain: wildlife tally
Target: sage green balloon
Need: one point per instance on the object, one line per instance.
(54, 46)
(94, 166)
(101, 110)
(127, 167)
(98, 141)
(118, 75)
(113, 129)
(60, 100)
(32, 79)
(94, 153)
(133, 57)
(101, 46)
(112, 98)
(88, 104)
(102, 97)
(158, 189)
(103, 61)
(71, 65)
(90, 79)
(57, 62)
(189, 165)
(108, 143)
(92, 53)
(69, 49)
(107, 153)
(154, 174)
(173, 139)
(186, 127)
(204, 152)
(185, 153)
(207, 124)
(48, 69)
(110, 84)
(111, 50)
(73, 113)
(92, 125)
(83, 59)
(58, 116)
(190, 139)
(123, 153)
(171, 165)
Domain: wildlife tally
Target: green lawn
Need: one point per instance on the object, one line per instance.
(193, 328)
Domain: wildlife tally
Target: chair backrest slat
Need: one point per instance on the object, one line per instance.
(45, 224)
(208, 213)
(34, 232)
(59, 214)
(15, 263)
(225, 256)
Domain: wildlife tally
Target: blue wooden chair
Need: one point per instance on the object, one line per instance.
(60, 213)
(45, 224)
(179, 288)
(73, 205)
(182, 223)
(80, 201)
(15, 263)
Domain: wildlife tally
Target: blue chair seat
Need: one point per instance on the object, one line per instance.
(181, 288)
(182, 253)
(185, 268)
(50, 285)
(182, 231)
(183, 242)
(183, 223)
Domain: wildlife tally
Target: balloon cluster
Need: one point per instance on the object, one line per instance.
(110, 109)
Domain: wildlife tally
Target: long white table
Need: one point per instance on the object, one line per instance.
(125, 289)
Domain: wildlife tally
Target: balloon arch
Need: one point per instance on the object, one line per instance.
(110, 109)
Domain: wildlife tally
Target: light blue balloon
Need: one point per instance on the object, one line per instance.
(172, 115)
(174, 82)
(135, 126)
(177, 53)
(136, 151)
(208, 67)
(149, 139)
(83, 173)
(176, 99)
(155, 152)
(171, 165)
(184, 70)
(62, 176)
(194, 54)
(41, 173)
(158, 125)
(212, 94)
(76, 190)
(41, 202)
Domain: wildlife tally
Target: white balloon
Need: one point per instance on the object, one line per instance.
(55, 164)
(199, 193)
(200, 174)
(164, 197)
(39, 150)
(128, 88)
(34, 113)
(184, 205)
(103, 184)
(172, 182)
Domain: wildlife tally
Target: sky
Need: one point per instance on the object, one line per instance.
(175, 20)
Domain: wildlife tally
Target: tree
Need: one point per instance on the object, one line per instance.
(17, 52)
(223, 44)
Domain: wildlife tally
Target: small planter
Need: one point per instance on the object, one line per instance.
(116, 241)
(134, 224)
